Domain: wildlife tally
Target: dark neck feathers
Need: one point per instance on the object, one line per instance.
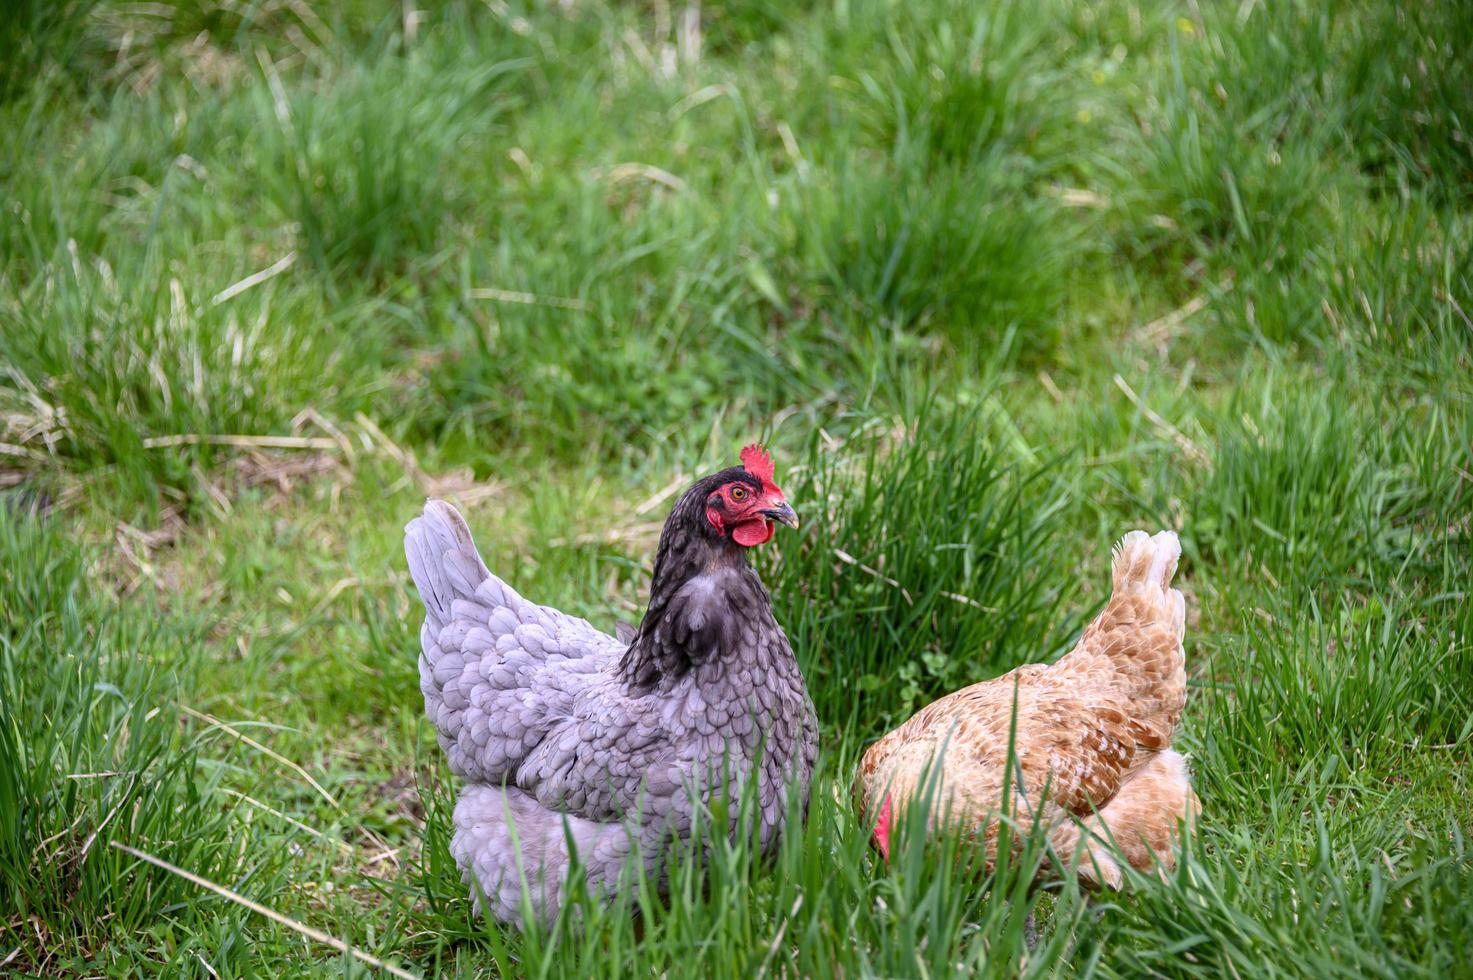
(682, 630)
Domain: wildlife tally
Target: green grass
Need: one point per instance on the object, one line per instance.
(998, 282)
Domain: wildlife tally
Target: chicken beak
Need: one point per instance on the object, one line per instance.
(783, 514)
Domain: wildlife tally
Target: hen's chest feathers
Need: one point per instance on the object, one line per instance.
(714, 663)
(707, 695)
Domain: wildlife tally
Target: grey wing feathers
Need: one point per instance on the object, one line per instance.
(494, 668)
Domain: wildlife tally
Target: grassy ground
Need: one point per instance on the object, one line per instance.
(998, 282)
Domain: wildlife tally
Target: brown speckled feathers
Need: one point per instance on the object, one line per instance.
(1094, 728)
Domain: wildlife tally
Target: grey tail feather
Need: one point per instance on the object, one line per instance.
(442, 559)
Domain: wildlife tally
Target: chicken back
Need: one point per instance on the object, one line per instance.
(1091, 737)
(572, 742)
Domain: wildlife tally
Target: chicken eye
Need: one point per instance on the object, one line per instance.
(738, 493)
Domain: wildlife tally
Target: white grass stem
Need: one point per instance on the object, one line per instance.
(255, 279)
(236, 733)
(1192, 450)
(341, 845)
(527, 299)
(269, 913)
(243, 442)
(24, 452)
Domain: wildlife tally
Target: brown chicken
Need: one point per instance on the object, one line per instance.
(1092, 738)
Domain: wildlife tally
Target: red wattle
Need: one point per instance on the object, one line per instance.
(749, 534)
(880, 836)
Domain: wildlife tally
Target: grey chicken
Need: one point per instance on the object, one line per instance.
(570, 740)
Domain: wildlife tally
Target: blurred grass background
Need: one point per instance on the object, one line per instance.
(998, 281)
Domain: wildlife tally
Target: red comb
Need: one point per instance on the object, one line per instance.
(757, 462)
